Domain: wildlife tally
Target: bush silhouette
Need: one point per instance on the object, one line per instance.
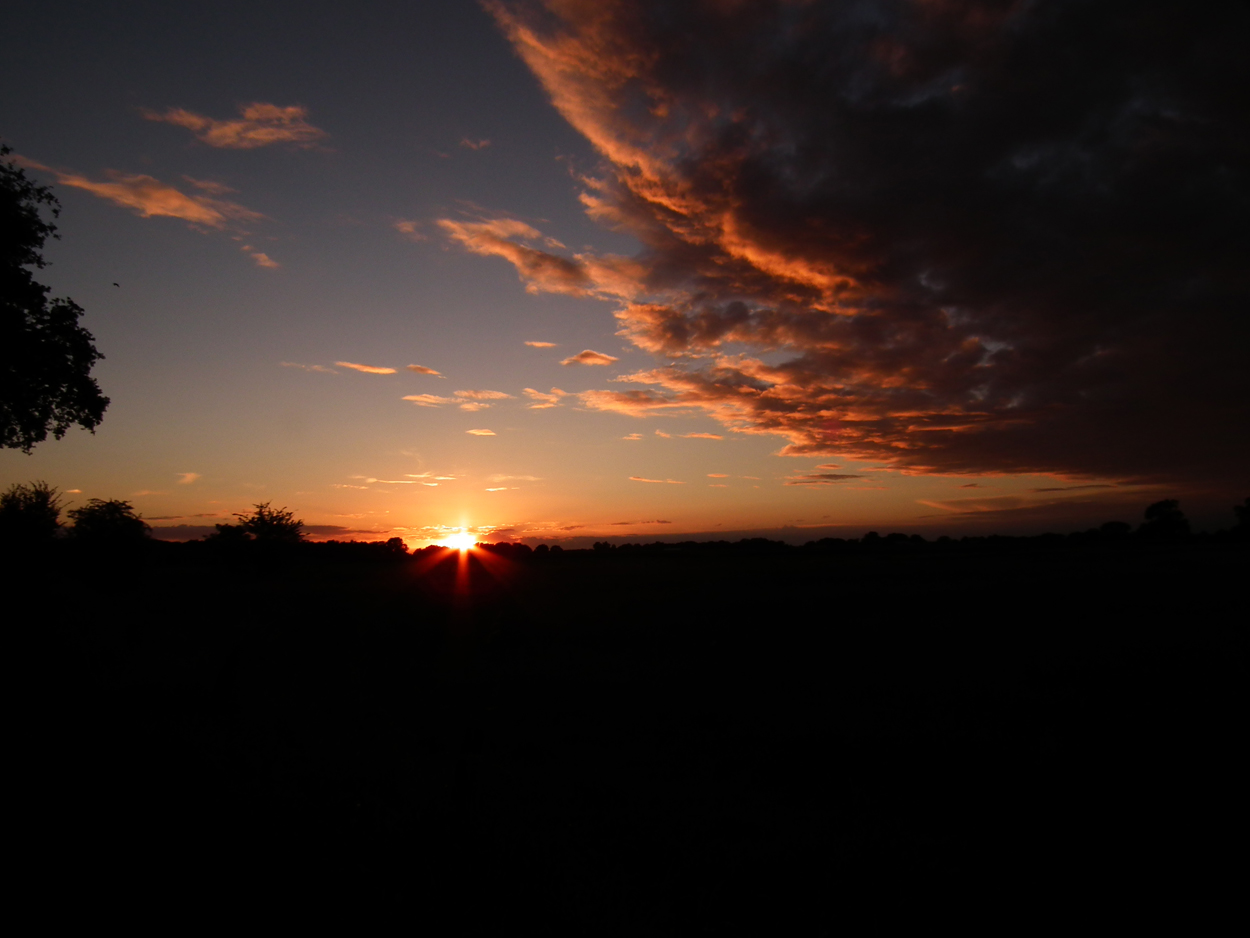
(29, 513)
(112, 521)
(1165, 521)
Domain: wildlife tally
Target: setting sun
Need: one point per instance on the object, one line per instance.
(461, 540)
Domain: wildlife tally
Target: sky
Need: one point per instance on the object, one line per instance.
(584, 270)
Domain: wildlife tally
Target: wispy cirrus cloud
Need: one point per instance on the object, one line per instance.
(187, 478)
(480, 432)
(410, 230)
(367, 369)
(148, 197)
(541, 344)
(942, 286)
(259, 125)
(632, 436)
(422, 370)
(589, 357)
(658, 481)
(479, 400)
(474, 144)
(319, 368)
(428, 400)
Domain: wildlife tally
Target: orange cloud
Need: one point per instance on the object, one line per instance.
(321, 368)
(186, 478)
(542, 271)
(428, 400)
(589, 357)
(409, 230)
(484, 395)
(148, 197)
(264, 260)
(475, 145)
(544, 401)
(632, 436)
(261, 125)
(367, 369)
(659, 481)
(701, 436)
(480, 432)
(422, 370)
(718, 475)
(935, 291)
(541, 344)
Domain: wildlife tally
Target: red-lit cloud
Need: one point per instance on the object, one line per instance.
(422, 370)
(261, 125)
(870, 230)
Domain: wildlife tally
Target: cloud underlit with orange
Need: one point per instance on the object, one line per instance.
(589, 357)
(367, 369)
(855, 246)
(260, 125)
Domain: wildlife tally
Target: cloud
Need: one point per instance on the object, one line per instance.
(148, 197)
(589, 357)
(484, 395)
(409, 230)
(718, 475)
(367, 369)
(474, 144)
(422, 370)
(320, 368)
(663, 435)
(261, 125)
(701, 436)
(543, 272)
(428, 400)
(544, 401)
(541, 344)
(504, 478)
(632, 436)
(820, 478)
(186, 478)
(953, 267)
(480, 432)
(660, 481)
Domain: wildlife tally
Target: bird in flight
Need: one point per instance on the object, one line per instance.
(116, 284)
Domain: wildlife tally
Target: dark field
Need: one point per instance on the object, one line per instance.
(675, 742)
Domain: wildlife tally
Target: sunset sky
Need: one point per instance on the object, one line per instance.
(594, 269)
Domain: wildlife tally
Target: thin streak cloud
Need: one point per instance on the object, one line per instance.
(260, 125)
(366, 369)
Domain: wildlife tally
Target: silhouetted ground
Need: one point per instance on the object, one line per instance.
(648, 742)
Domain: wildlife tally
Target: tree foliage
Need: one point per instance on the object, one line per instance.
(112, 521)
(271, 524)
(46, 357)
(29, 513)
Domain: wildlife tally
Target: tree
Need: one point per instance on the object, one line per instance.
(1165, 521)
(29, 513)
(112, 521)
(45, 355)
(271, 524)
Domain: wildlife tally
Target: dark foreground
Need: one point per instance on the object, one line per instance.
(660, 743)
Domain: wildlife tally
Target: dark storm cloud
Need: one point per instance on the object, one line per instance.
(984, 236)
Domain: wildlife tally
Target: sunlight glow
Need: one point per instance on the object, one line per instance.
(461, 540)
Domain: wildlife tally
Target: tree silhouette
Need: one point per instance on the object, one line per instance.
(270, 524)
(29, 513)
(45, 355)
(112, 521)
(1165, 521)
